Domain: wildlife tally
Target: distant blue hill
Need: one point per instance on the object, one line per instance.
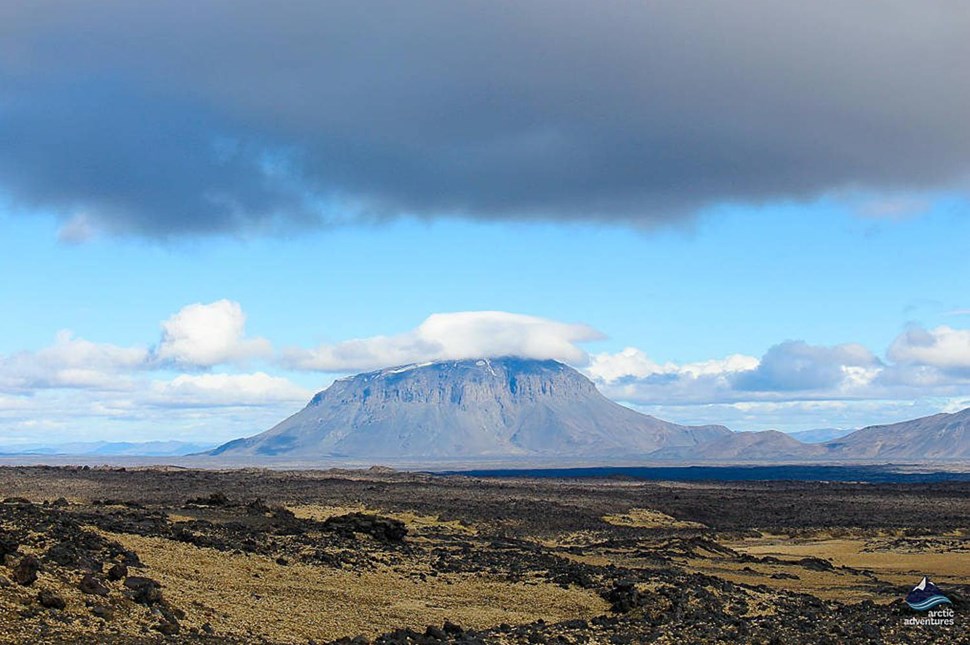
(110, 449)
(821, 435)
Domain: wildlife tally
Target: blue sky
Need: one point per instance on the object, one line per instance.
(737, 281)
(756, 218)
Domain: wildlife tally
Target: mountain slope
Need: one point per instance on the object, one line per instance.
(941, 436)
(769, 445)
(504, 407)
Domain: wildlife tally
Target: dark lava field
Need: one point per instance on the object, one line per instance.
(112, 555)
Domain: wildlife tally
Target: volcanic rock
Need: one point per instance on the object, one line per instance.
(143, 590)
(50, 600)
(91, 585)
(25, 573)
(380, 528)
(117, 572)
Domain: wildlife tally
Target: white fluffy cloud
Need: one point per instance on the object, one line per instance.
(944, 347)
(632, 376)
(70, 351)
(203, 335)
(796, 366)
(801, 414)
(207, 411)
(634, 363)
(197, 336)
(71, 363)
(256, 389)
(790, 371)
(467, 334)
(191, 379)
(76, 389)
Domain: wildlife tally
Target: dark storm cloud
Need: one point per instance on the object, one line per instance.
(177, 117)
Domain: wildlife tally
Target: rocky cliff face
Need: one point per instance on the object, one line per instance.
(498, 408)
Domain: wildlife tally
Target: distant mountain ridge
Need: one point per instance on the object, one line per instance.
(940, 437)
(488, 408)
(937, 437)
(768, 445)
(109, 449)
(519, 409)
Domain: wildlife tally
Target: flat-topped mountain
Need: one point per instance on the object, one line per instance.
(462, 409)
(520, 409)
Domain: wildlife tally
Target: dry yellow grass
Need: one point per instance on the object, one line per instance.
(176, 517)
(252, 595)
(79, 624)
(649, 518)
(894, 566)
(828, 585)
(414, 521)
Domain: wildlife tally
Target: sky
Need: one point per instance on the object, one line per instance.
(720, 213)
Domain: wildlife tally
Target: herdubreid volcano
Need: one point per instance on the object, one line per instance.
(519, 409)
(463, 409)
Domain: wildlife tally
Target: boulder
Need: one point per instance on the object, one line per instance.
(25, 573)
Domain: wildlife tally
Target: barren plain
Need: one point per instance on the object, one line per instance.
(142, 555)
